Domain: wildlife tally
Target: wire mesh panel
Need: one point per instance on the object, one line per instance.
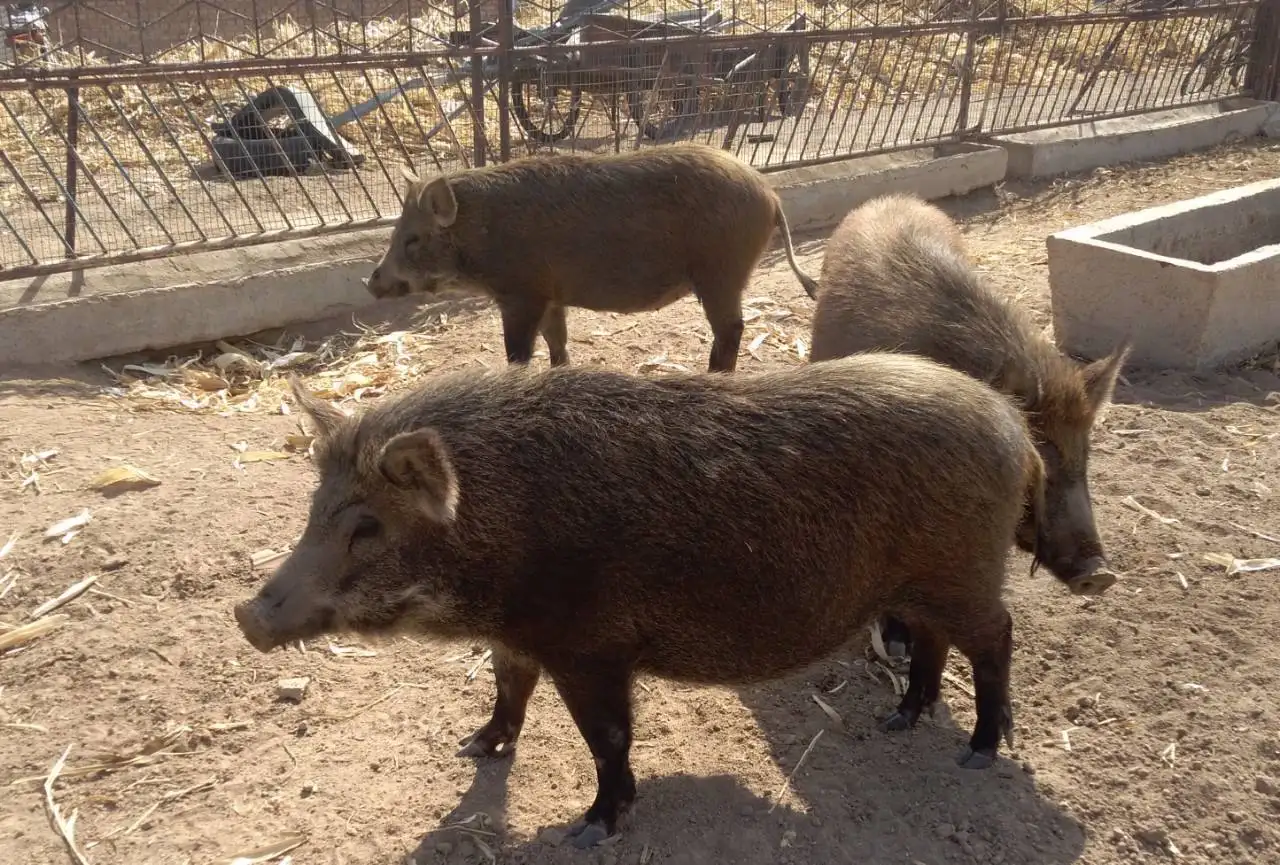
(138, 128)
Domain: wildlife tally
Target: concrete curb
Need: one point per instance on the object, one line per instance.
(1064, 149)
(820, 196)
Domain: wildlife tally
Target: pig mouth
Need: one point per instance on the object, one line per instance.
(264, 635)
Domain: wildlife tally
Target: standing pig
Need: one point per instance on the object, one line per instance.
(629, 232)
(895, 276)
(702, 527)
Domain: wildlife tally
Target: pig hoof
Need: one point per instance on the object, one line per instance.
(586, 834)
(486, 744)
(897, 722)
(971, 759)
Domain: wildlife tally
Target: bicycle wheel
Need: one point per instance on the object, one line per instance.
(547, 112)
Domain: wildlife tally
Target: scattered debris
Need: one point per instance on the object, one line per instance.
(777, 797)
(69, 526)
(1182, 581)
(72, 592)
(827, 710)
(479, 665)
(177, 740)
(122, 479)
(1134, 504)
(267, 852)
(229, 726)
(66, 828)
(8, 545)
(1241, 566)
(351, 651)
(1170, 754)
(1244, 529)
(1192, 688)
(7, 582)
(164, 800)
(28, 632)
(264, 559)
(293, 689)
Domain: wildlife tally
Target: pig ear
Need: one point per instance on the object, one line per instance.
(418, 462)
(326, 416)
(437, 197)
(1100, 377)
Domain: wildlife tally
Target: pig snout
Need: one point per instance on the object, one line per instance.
(254, 626)
(1093, 578)
(381, 285)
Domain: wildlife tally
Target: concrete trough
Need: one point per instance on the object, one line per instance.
(1157, 135)
(1195, 284)
(819, 196)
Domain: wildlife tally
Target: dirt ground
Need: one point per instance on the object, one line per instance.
(1148, 721)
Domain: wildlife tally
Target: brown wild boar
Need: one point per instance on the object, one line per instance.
(702, 527)
(629, 232)
(895, 276)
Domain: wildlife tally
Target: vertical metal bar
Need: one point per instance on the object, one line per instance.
(477, 88)
(967, 70)
(73, 163)
(505, 43)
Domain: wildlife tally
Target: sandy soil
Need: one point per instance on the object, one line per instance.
(1148, 722)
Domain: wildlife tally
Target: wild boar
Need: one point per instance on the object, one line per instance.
(629, 232)
(702, 527)
(896, 276)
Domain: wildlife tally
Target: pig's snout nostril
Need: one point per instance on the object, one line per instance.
(250, 622)
(1094, 579)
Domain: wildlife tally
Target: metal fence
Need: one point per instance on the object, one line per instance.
(124, 131)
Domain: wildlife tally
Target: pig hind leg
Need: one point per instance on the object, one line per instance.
(555, 330)
(986, 637)
(599, 700)
(516, 678)
(521, 320)
(928, 658)
(721, 298)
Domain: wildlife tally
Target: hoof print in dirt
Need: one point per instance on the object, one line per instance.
(585, 835)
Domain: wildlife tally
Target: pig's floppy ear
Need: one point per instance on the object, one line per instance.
(438, 198)
(1100, 376)
(418, 463)
(326, 416)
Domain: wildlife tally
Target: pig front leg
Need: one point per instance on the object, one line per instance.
(598, 697)
(516, 677)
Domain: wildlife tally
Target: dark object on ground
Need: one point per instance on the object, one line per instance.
(247, 144)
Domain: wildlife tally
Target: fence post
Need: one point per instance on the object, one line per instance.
(966, 73)
(73, 165)
(477, 88)
(506, 39)
(1262, 78)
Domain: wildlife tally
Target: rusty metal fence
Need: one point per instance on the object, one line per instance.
(132, 129)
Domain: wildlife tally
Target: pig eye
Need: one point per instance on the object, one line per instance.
(366, 528)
